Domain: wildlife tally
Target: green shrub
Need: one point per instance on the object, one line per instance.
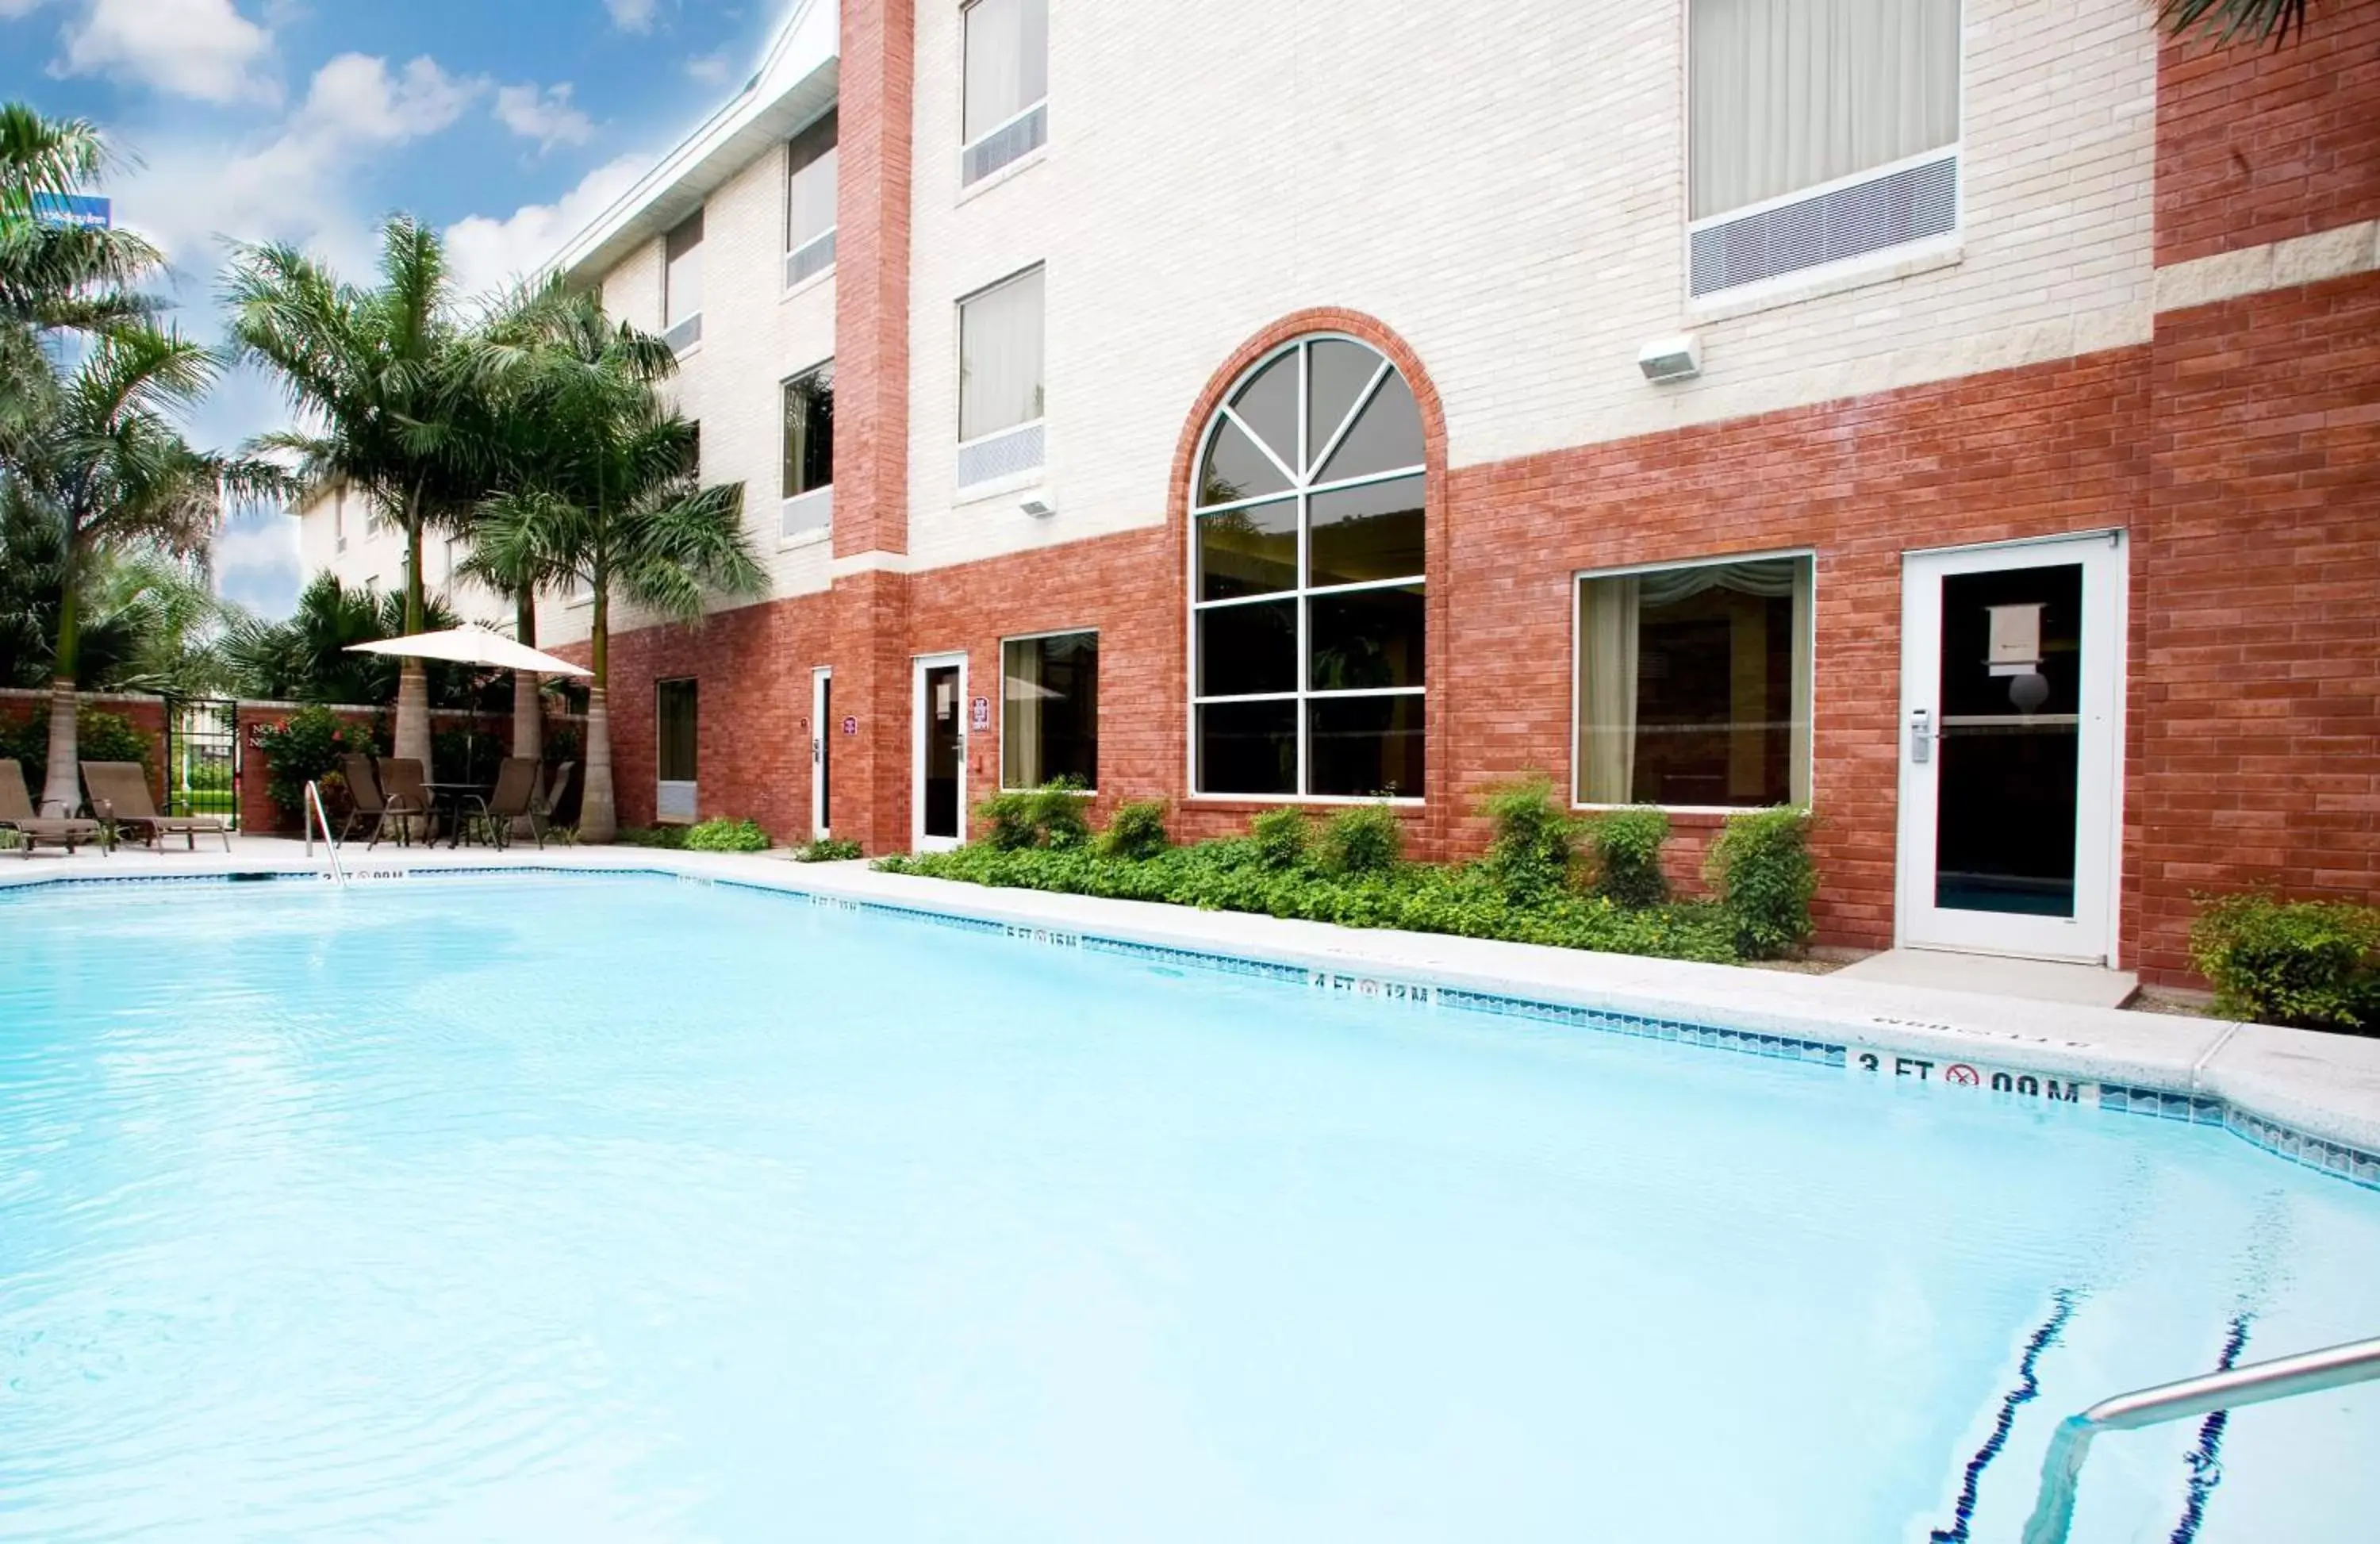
(1050, 816)
(1535, 841)
(2312, 963)
(1006, 821)
(671, 837)
(1137, 832)
(1761, 871)
(99, 736)
(827, 850)
(1628, 856)
(305, 748)
(1367, 839)
(726, 836)
(1281, 837)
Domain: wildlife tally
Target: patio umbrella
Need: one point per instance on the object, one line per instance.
(472, 645)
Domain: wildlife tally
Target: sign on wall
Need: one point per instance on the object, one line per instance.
(981, 712)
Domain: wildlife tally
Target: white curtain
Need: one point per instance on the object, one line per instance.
(1787, 94)
(999, 358)
(683, 284)
(1007, 61)
(1020, 715)
(1607, 729)
(810, 194)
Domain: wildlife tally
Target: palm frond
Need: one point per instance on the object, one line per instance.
(2228, 21)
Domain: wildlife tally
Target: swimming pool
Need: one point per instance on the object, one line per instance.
(625, 1209)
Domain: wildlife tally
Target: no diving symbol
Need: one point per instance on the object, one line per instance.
(1959, 1072)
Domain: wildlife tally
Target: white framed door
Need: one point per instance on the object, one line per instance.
(821, 753)
(938, 750)
(2011, 710)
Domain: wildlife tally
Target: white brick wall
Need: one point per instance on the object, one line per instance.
(1507, 192)
(375, 555)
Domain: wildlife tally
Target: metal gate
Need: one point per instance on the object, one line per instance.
(202, 759)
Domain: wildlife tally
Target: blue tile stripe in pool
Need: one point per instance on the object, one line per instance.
(2352, 1164)
(2028, 1386)
(2206, 1459)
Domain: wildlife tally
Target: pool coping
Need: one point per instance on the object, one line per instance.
(2310, 1097)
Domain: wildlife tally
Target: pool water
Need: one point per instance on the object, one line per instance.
(629, 1209)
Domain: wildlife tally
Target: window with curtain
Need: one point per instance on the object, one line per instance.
(1787, 94)
(674, 704)
(1007, 62)
(1049, 710)
(809, 183)
(682, 273)
(999, 357)
(809, 432)
(1307, 600)
(1694, 685)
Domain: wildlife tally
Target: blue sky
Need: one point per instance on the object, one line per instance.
(506, 123)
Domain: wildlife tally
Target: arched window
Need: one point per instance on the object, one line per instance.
(1306, 547)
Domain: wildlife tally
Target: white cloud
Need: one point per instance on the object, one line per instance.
(11, 9)
(711, 69)
(294, 187)
(486, 253)
(546, 117)
(257, 563)
(195, 48)
(632, 15)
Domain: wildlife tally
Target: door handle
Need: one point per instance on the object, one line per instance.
(1921, 736)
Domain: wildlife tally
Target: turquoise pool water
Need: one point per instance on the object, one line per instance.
(626, 1210)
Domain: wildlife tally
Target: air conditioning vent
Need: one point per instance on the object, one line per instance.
(1907, 205)
(1020, 136)
(997, 457)
(805, 512)
(815, 256)
(686, 335)
(673, 801)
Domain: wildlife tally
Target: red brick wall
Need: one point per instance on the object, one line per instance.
(2258, 144)
(2259, 672)
(146, 714)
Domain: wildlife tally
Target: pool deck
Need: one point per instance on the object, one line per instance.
(2325, 1086)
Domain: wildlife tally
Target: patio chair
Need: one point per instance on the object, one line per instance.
(17, 815)
(405, 798)
(120, 793)
(366, 802)
(560, 801)
(513, 799)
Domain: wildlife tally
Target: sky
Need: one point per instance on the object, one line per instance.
(506, 123)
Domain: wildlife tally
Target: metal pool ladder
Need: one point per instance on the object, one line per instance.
(2306, 1373)
(314, 812)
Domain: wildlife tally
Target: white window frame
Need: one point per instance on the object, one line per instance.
(967, 146)
(786, 191)
(1032, 475)
(692, 321)
(1578, 687)
(1005, 640)
(1300, 593)
(1819, 278)
(823, 491)
(693, 784)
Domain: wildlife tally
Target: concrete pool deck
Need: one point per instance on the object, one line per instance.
(2319, 1086)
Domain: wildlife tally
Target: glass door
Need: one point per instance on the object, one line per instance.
(821, 753)
(938, 796)
(2012, 683)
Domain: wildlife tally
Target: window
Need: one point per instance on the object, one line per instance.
(1007, 87)
(809, 452)
(1000, 379)
(675, 710)
(1049, 710)
(1793, 95)
(682, 285)
(339, 519)
(1308, 534)
(809, 201)
(1694, 685)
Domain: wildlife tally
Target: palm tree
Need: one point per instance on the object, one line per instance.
(306, 657)
(107, 472)
(616, 506)
(381, 377)
(2236, 20)
(55, 273)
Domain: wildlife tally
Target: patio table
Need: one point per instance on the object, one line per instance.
(450, 799)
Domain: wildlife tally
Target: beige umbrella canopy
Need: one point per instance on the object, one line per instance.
(472, 646)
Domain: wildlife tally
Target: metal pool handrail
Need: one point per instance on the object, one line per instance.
(314, 811)
(2306, 1373)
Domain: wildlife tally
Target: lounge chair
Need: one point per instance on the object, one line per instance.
(17, 815)
(120, 793)
(513, 799)
(405, 798)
